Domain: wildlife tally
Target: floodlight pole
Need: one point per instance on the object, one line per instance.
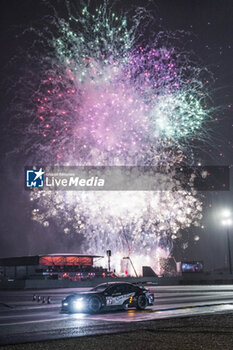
(229, 251)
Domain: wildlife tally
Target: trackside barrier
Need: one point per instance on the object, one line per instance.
(162, 281)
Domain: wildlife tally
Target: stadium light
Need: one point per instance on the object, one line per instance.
(227, 222)
(226, 213)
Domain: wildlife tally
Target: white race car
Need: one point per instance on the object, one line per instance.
(108, 296)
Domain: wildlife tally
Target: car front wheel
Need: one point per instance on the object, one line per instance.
(94, 305)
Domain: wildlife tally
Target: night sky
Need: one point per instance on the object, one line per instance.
(211, 39)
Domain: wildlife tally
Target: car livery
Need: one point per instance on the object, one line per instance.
(108, 296)
(118, 300)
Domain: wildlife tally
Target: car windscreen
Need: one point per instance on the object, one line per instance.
(99, 288)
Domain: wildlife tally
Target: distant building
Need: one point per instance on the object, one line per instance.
(51, 266)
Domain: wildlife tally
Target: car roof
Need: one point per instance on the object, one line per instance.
(106, 284)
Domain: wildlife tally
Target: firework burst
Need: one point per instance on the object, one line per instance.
(100, 97)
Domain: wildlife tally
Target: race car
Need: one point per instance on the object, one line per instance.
(108, 296)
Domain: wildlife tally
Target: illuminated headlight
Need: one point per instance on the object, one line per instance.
(78, 304)
(65, 304)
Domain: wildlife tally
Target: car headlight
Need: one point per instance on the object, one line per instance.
(78, 304)
(65, 304)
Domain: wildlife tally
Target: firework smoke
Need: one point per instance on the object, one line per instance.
(101, 95)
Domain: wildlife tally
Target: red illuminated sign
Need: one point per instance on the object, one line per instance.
(66, 260)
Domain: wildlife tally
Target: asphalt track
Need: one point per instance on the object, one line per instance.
(23, 320)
